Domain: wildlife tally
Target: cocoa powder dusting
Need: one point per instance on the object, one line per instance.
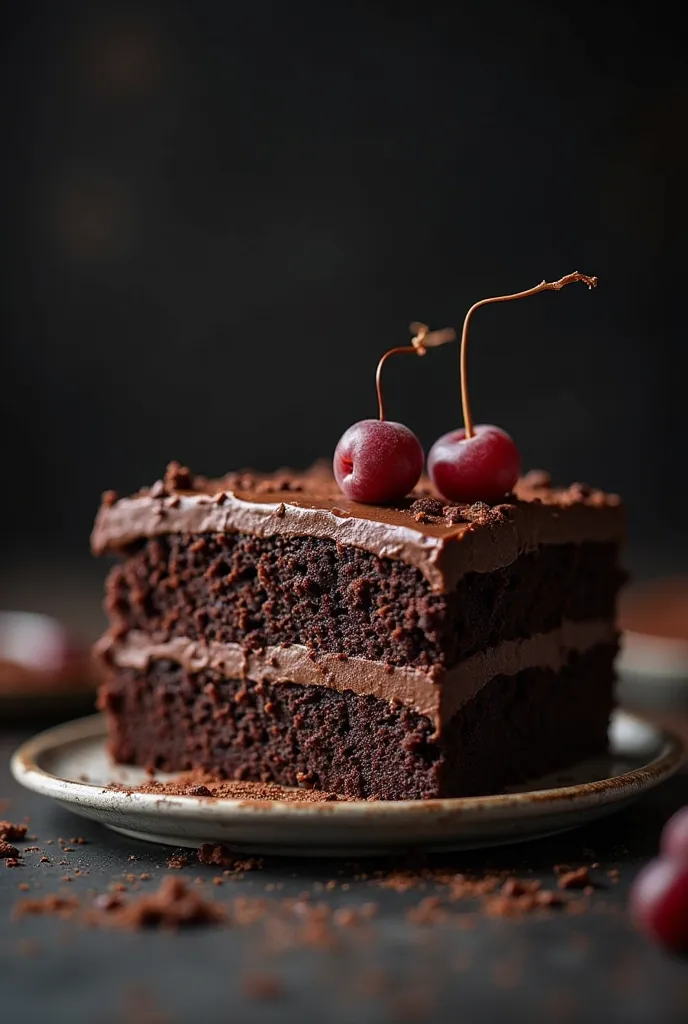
(194, 783)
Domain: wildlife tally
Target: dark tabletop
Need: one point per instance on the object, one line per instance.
(590, 967)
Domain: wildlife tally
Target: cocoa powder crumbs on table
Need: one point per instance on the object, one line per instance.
(350, 917)
(519, 887)
(7, 850)
(178, 861)
(174, 905)
(60, 906)
(579, 878)
(12, 833)
(518, 906)
(13, 862)
(24, 886)
(429, 911)
(44, 860)
(32, 849)
(220, 855)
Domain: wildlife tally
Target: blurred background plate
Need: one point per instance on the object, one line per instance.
(653, 664)
(45, 672)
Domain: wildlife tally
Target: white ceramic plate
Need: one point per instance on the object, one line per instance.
(56, 762)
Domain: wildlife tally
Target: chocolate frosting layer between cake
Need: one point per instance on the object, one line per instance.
(437, 693)
(442, 541)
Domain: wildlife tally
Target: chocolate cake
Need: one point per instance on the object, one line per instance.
(266, 628)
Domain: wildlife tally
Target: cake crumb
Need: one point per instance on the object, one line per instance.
(220, 855)
(11, 833)
(577, 878)
(173, 906)
(7, 850)
(53, 905)
(178, 861)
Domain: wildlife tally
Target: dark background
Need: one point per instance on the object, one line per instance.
(218, 216)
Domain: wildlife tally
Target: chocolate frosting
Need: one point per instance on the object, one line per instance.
(437, 693)
(442, 541)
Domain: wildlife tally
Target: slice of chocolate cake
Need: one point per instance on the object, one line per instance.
(267, 628)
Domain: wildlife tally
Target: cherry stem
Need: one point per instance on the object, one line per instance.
(378, 382)
(544, 286)
(423, 339)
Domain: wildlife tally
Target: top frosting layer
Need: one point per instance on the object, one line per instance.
(443, 541)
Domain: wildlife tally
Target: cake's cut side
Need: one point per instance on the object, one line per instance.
(436, 693)
(234, 588)
(514, 728)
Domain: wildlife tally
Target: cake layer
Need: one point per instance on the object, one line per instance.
(516, 727)
(236, 588)
(437, 693)
(443, 542)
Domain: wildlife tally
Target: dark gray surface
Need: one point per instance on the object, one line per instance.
(591, 968)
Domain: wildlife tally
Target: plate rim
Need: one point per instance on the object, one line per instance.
(27, 771)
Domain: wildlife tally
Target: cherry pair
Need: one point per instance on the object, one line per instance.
(380, 461)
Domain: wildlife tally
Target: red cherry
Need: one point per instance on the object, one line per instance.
(377, 461)
(483, 467)
(659, 902)
(482, 463)
(675, 836)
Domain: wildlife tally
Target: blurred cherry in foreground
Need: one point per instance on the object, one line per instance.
(659, 897)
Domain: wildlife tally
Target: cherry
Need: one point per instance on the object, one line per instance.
(675, 836)
(483, 467)
(659, 901)
(379, 461)
(482, 463)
